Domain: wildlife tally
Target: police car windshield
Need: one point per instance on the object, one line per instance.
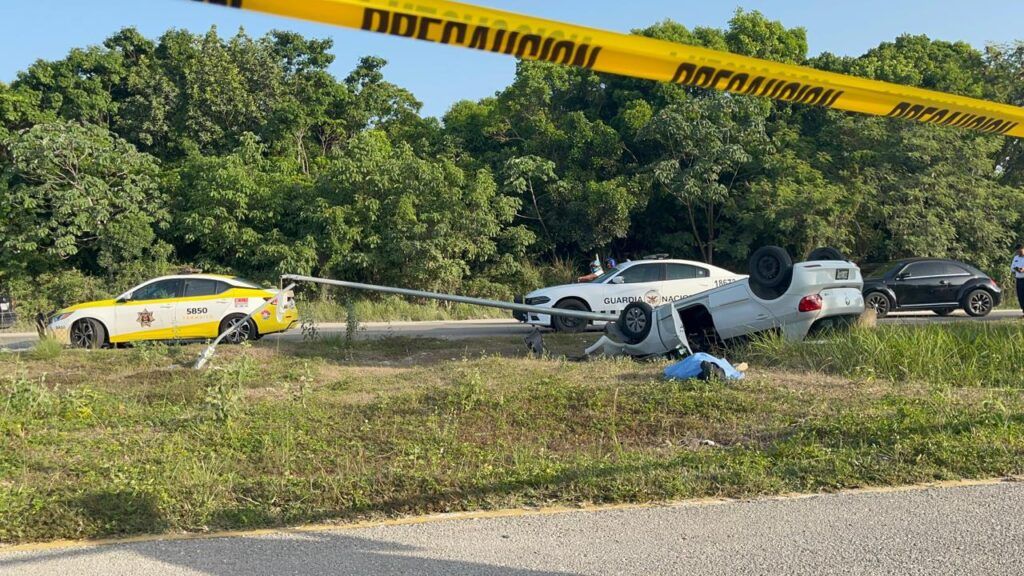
(604, 277)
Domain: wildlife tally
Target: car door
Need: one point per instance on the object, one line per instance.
(737, 311)
(910, 285)
(636, 283)
(149, 312)
(202, 306)
(682, 280)
(950, 282)
(915, 284)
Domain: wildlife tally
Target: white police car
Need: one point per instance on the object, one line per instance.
(654, 281)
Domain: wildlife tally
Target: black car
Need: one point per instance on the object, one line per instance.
(7, 315)
(933, 284)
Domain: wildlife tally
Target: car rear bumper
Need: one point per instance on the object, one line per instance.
(997, 296)
(267, 322)
(835, 302)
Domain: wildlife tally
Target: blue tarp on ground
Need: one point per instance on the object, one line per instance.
(689, 367)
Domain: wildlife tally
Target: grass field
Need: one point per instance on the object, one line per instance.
(130, 441)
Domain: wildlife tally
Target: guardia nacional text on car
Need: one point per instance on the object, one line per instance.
(181, 307)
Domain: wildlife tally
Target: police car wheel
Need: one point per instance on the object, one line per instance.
(566, 324)
(245, 332)
(635, 321)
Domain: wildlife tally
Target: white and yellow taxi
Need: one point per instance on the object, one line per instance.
(182, 307)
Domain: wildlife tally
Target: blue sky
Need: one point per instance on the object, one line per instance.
(440, 75)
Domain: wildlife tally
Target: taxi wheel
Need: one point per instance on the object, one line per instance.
(567, 324)
(88, 334)
(245, 333)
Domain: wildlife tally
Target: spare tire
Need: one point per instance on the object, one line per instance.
(771, 267)
(826, 253)
(635, 321)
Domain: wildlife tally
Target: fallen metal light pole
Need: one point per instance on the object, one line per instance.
(581, 314)
(661, 330)
(212, 348)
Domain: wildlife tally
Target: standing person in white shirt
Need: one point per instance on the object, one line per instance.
(1018, 272)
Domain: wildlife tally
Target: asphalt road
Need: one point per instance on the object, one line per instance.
(368, 330)
(482, 328)
(962, 530)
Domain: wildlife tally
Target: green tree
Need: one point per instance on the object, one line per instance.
(707, 147)
(238, 212)
(384, 215)
(79, 194)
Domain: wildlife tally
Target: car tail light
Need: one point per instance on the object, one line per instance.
(810, 303)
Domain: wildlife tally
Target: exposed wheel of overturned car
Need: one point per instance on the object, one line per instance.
(636, 321)
(88, 333)
(771, 271)
(245, 332)
(566, 324)
(825, 253)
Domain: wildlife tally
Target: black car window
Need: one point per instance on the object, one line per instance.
(920, 269)
(876, 271)
(161, 290)
(641, 273)
(684, 272)
(203, 287)
(951, 269)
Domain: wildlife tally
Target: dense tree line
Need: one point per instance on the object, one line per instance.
(128, 159)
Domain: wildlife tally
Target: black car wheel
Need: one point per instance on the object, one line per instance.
(769, 266)
(88, 334)
(567, 324)
(879, 302)
(245, 332)
(636, 321)
(979, 303)
(826, 253)
(944, 311)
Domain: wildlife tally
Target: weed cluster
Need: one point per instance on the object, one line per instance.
(988, 354)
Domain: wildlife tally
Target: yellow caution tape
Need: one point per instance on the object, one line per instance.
(537, 39)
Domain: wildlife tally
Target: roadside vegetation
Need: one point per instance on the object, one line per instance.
(396, 309)
(131, 441)
(965, 354)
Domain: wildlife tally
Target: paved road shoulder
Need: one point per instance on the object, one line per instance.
(968, 529)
